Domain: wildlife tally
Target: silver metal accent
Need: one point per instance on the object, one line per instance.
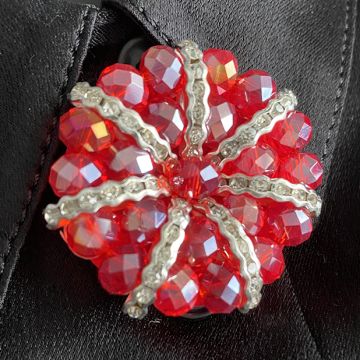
(262, 123)
(163, 256)
(127, 120)
(277, 189)
(197, 90)
(110, 193)
(241, 246)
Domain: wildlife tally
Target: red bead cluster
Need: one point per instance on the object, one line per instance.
(118, 240)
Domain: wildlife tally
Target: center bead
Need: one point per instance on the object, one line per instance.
(192, 178)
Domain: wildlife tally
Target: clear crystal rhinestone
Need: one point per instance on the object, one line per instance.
(164, 255)
(198, 88)
(68, 207)
(312, 199)
(195, 135)
(281, 189)
(161, 151)
(259, 185)
(93, 96)
(147, 136)
(151, 184)
(198, 112)
(239, 183)
(135, 186)
(51, 215)
(110, 192)
(252, 268)
(79, 90)
(135, 312)
(173, 232)
(153, 277)
(243, 247)
(110, 108)
(144, 295)
(299, 194)
(129, 122)
(88, 200)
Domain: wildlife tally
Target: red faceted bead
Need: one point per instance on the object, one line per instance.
(141, 221)
(223, 289)
(82, 128)
(125, 83)
(84, 237)
(222, 69)
(163, 69)
(302, 168)
(179, 293)
(291, 227)
(192, 178)
(251, 92)
(222, 123)
(73, 172)
(121, 273)
(125, 159)
(271, 260)
(294, 132)
(202, 241)
(256, 160)
(169, 119)
(247, 210)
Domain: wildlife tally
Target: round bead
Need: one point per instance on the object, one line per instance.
(202, 241)
(169, 120)
(271, 260)
(124, 159)
(247, 210)
(179, 293)
(302, 168)
(222, 123)
(141, 221)
(84, 237)
(163, 69)
(252, 92)
(121, 273)
(73, 172)
(81, 128)
(256, 160)
(223, 289)
(192, 178)
(222, 69)
(125, 83)
(291, 227)
(294, 132)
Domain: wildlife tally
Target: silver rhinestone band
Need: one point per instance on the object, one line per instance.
(127, 120)
(163, 257)
(241, 246)
(262, 123)
(197, 90)
(277, 189)
(110, 193)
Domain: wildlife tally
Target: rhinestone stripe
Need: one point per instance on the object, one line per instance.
(241, 246)
(197, 90)
(110, 193)
(163, 256)
(127, 120)
(262, 123)
(277, 189)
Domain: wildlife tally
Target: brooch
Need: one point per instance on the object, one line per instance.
(183, 181)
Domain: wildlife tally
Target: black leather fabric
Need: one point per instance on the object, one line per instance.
(54, 307)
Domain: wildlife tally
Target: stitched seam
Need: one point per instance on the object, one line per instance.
(153, 23)
(50, 136)
(341, 83)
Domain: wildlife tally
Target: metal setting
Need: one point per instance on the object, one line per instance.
(197, 90)
(277, 189)
(127, 120)
(163, 256)
(110, 193)
(241, 246)
(262, 123)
